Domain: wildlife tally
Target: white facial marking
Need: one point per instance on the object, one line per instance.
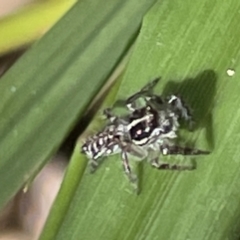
(137, 121)
(140, 142)
(147, 129)
(173, 98)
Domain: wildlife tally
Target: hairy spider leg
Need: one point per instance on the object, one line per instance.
(154, 160)
(180, 107)
(126, 166)
(109, 115)
(146, 93)
(174, 150)
(93, 165)
(168, 166)
(127, 169)
(131, 149)
(151, 85)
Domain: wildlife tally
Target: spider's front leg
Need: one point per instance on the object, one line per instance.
(127, 169)
(154, 161)
(112, 118)
(174, 150)
(109, 115)
(180, 107)
(167, 166)
(145, 93)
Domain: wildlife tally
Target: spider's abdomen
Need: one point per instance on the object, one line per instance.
(101, 144)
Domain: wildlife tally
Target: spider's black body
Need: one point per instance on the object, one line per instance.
(141, 131)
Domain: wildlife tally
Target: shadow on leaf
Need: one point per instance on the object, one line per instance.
(198, 93)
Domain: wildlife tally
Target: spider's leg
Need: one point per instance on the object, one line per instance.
(145, 93)
(96, 160)
(153, 155)
(113, 119)
(151, 99)
(93, 165)
(131, 102)
(149, 86)
(127, 169)
(166, 166)
(180, 107)
(109, 115)
(173, 150)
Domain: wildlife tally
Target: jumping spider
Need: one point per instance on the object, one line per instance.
(146, 131)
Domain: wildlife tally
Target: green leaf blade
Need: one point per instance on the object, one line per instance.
(46, 91)
(190, 45)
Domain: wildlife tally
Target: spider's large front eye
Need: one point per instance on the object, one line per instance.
(140, 131)
(142, 124)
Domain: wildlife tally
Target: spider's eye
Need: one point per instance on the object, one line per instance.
(143, 122)
(140, 131)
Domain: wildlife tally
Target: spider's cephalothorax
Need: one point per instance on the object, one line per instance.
(146, 131)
